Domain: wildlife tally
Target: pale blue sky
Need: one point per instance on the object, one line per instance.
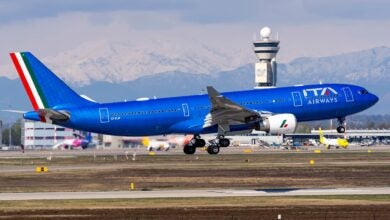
(198, 11)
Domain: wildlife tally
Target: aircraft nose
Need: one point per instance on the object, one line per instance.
(373, 99)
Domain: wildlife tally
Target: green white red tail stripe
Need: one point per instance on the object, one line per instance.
(29, 81)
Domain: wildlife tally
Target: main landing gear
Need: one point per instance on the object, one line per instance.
(215, 144)
(341, 123)
(212, 148)
(195, 142)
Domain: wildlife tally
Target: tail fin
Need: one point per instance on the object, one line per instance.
(88, 137)
(322, 138)
(145, 141)
(43, 87)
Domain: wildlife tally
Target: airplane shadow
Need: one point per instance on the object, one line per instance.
(282, 190)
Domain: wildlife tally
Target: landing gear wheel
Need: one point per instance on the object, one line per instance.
(224, 142)
(213, 149)
(197, 142)
(341, 129)
(342, 124)
(201, 143)
(189, 149)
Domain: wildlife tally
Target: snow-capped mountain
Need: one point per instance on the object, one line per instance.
(126, 60)
(372, 65)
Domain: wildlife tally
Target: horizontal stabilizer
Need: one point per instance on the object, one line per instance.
(49, 115)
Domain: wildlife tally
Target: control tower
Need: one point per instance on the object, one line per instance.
(265, 49)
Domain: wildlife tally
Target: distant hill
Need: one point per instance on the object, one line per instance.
(369, 68)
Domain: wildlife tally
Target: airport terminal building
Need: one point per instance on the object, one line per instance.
(38, 135)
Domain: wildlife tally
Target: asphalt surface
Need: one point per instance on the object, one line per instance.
(175, 151)
(193, 193)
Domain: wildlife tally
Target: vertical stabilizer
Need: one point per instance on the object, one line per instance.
(322, 138)
(43, 87)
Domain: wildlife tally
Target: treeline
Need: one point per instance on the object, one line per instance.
(15, 134)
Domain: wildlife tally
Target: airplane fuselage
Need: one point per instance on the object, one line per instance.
(272, 110)
(186, 114)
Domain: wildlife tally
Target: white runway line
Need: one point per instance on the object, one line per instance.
(192, 193)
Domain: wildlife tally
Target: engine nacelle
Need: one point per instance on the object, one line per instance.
(278, 124)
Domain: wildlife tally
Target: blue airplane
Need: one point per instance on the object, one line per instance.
(273, 110)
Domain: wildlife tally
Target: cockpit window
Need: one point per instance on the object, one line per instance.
(363, 92)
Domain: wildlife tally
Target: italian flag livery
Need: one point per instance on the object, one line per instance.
(48, 93)
(29, 80)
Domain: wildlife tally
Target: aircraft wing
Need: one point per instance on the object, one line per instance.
(13, 111)
(225, 112)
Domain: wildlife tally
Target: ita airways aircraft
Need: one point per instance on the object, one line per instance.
(273, 110)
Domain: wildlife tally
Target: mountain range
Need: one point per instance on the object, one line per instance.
(368, 68)
(125, 60)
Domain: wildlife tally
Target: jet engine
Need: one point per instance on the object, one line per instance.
(278, 124)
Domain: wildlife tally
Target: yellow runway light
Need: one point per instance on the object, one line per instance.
(41, 169)
(248, 151)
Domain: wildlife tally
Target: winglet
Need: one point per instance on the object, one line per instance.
(212, 92)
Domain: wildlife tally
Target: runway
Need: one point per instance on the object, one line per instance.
(130, 152)
(203, 193)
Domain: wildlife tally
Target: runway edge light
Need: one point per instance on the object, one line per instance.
(41, 169)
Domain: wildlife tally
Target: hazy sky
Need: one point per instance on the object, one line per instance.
(305, 27)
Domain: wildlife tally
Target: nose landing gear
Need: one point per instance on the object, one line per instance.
(341, 123)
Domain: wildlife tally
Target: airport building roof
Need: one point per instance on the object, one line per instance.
(356, 133)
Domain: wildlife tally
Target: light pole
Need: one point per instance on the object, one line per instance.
(9, 126)
(10, 135)
(1, 132)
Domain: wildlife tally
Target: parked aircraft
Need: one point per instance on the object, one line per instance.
(78, 142)
(335, 142)
(273, 110)
(166, 143)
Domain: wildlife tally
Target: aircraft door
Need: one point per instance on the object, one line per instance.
(104, 115)
(348, 94)
(186, 111)
(297, 100)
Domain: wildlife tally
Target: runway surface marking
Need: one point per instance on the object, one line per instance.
(194, 193)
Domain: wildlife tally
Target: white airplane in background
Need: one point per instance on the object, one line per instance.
(158, 143)
(166, 143)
